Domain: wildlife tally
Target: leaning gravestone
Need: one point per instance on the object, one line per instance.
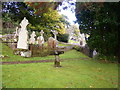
(40, 39)
(32, 39)
(23, 35)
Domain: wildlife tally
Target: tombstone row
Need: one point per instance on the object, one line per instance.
(22, 35)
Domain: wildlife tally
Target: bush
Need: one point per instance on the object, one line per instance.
(78, 48)
(105, 58)
(63, 37)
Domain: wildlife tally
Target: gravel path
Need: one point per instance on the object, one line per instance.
(38, 61)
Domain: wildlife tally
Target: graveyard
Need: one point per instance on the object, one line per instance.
(77, 71)
(42, 48)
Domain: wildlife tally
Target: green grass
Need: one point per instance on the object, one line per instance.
(11, 57)
(63, 44)
(72, 41)
(72, 74)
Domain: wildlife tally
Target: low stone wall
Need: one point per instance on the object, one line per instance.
(85, 50)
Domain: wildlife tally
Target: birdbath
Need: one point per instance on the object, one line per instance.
(57, 58)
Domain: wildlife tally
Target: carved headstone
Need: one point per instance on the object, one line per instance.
(52, 43)
(23, 35)
(55, 34)
(32, 39)
(40, 39)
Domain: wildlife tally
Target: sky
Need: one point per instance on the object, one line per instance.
(68, 13)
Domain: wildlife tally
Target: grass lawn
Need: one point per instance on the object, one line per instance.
(11, 57)
(72, 74)
(72, 41)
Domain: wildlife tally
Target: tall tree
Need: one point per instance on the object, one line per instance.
(39, 16)
(101, 22)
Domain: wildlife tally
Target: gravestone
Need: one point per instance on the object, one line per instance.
(23, 35)
(94, 53)
(32, 38)
(52, 43)
(26, 54)
(55, 34)
(16, 34)
(40, 39)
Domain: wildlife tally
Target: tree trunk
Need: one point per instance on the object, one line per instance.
(57, 61)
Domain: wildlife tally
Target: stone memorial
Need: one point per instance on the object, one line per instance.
(52, 43)
(40, 39)
(55, 34)
(16, 34)
(82, 40)
(23, 35)
(32, 39)
(94, 53)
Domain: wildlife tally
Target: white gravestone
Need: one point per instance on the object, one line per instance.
(82, 39)
(94, 53)
(40, 39)
(32, 39)
(23, 35)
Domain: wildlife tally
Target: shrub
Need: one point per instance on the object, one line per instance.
(63, 37)
(78, 48)
(106, 58)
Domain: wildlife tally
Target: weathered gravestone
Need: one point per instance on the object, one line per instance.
(32, 38)
(16, 34)
(52, 43)
(23, 35)
(40, 39)
(55, 34)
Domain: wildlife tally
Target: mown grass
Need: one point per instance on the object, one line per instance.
(72, 74)
(72, 41)
(6, 51)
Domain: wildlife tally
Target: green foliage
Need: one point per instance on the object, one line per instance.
(63, 37)
(46, 21)
(101, 22)
(8, 30)
(109, 58)
(78, 48)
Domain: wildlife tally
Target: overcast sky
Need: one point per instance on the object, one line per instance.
(68, 13)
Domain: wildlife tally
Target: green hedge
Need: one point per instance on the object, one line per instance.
(63, 37)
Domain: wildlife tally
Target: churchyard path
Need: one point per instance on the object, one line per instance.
(41, 61)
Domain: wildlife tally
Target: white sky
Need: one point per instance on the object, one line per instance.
(69, 14)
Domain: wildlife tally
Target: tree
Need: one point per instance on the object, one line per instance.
(48, 19)
(101, 22)
(43, 7)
